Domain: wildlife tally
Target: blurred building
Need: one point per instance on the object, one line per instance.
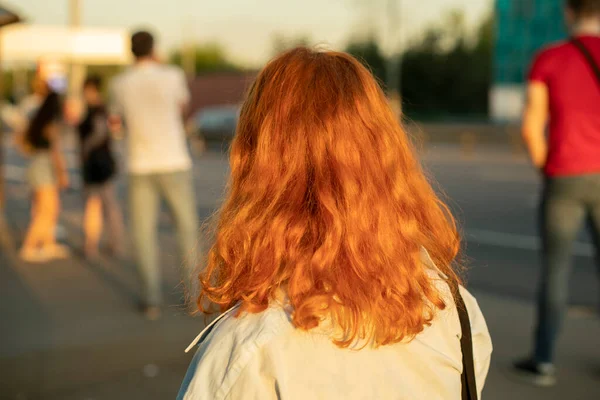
(523, 27)
(219, 89)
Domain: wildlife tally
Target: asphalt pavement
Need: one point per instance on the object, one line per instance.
(494, 194)
(70, 330)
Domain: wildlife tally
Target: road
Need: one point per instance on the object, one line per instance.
(63, 315)
(494, 196)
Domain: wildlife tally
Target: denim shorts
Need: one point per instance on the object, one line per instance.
(41, 171)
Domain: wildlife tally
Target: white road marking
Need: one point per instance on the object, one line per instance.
(524, 242)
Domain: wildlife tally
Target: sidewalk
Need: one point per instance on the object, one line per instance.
(579, 372)
(511, 326)
(72, 324)
(70, 330)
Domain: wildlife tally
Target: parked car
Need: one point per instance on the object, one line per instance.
(217, 123)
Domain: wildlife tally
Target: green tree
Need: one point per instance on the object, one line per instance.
(369, 53)
(208, 58)
(448, 71)
(105, 72)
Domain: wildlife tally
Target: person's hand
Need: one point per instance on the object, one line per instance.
(63, 180)
(73, 110)
(190, 127)
(21, 144)
(198, 146)
(115, 125)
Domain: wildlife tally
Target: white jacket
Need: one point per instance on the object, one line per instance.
(263, 357)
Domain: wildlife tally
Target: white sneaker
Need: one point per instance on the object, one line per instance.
(56, 252)
(33, 256)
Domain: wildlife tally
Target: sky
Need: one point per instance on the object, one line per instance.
(246, 28)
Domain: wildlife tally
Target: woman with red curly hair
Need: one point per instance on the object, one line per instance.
(333, 257)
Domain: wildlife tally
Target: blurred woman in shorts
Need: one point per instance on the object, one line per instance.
(47, 174)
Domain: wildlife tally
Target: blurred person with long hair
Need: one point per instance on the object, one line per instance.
(333, 259)
(99, 171)
(152, 99)
(563, 94)
(46, 174)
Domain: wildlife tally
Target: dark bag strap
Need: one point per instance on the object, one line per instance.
(469, 386)
(588, 56)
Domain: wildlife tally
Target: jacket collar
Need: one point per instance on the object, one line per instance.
(206, 331)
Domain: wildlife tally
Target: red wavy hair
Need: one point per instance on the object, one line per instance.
(327, 201)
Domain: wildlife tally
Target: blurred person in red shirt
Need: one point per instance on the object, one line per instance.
(563, 94)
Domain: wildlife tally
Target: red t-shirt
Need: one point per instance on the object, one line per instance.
(574, 91)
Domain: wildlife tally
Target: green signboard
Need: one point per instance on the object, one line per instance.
(524, 27)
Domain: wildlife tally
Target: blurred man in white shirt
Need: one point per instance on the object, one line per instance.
(151, 98)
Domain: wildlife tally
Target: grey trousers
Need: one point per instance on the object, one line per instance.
(146, 192)
(566, 202)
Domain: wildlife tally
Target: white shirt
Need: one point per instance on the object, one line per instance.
(150, 97)
(262, 356)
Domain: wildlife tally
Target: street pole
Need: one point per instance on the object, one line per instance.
(394, 66)
(188, 52)
(188, 62)
(2, 149)
(19, 88)
(77, 74)
(392, 77)
(400, 50)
